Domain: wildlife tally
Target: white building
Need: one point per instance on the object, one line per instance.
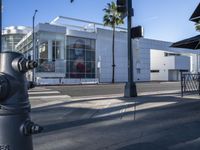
(71, 54)
(12, 35)
(167, 66)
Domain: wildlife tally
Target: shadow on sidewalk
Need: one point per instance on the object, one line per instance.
(170, 124)
(143, 146)
(52, 112)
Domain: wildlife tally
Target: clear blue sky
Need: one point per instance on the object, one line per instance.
(162, 19)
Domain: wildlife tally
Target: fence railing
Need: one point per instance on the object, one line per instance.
(190, 83)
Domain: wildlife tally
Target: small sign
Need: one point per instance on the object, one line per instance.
(137, 32)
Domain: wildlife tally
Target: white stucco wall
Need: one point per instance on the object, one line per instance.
(182, 63)
(104, 51)
(195, 62)
(142, 61)
(141, 57)
(162, 64)
(168, 66)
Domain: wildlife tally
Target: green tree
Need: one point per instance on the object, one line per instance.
(112, 18)
(197, 25)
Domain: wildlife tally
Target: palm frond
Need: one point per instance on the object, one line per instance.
(197, 26)
(111, 16)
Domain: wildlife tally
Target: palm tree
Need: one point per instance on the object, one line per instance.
(112, 18)
(197, 25)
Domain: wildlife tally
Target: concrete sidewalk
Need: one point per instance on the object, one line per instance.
(152, 121)
(39, 101)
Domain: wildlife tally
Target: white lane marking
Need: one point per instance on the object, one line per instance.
(48, 103)
(44, 92)
(51, 96)
(40, 89)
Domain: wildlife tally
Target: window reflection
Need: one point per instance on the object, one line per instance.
(45, 65)
(56, 46)
(90, 56)
(90, 67)
(43, 50)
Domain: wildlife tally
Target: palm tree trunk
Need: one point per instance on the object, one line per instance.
(113, 56)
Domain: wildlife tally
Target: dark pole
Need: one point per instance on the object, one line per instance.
(130, 56)
(113, 56)
(34, 53)
(1, 26)
(130, 87)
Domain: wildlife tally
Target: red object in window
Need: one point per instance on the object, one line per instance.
(80, 67)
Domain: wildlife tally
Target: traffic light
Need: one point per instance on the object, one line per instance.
(122, 7)
(14, 103)
(137, 32)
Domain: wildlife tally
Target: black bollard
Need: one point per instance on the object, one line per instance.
(16, 127)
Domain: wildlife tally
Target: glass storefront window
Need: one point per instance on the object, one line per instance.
(90, 75)
(56, 45)
(90, 56)
(81, 57)
(77, 66)
(45, 65)
(43, 50)
(87, 44)
(75, 54)
(90, 67)
(92, 44)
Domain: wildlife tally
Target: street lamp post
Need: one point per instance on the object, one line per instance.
(1, 26)
(130, 87)
(34, 53)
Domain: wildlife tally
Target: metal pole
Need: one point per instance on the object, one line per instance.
(199, 83)
(130, 88)
(130, 55)
(34, 53)
(1, 26)
(197, 62)
(182, 84)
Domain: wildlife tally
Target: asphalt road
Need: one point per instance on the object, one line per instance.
(103, 121)
(106, 89)
(154, 122)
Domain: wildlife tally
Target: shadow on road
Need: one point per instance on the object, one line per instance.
(143, 146)
(138, 123)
